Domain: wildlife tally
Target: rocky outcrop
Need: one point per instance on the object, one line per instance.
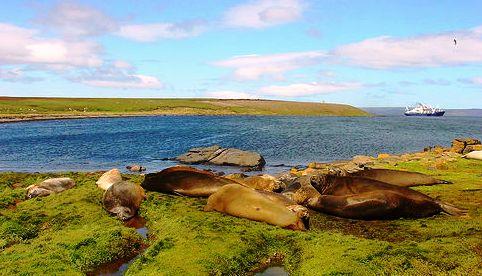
(222, 156)
(464, 145)
(136, 168)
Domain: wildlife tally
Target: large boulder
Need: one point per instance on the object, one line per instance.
(109, 178)
(222, 156)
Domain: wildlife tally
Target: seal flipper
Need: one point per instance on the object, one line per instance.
(452, 210)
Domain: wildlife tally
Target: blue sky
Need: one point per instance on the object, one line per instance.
(364, 53)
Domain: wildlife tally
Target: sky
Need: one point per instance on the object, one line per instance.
(363, 53)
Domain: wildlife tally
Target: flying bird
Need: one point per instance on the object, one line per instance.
(455, 41)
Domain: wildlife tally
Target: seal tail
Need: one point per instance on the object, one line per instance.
(452, 210)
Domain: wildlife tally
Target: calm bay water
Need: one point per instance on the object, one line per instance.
(104, 143)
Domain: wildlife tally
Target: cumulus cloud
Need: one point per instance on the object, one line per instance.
(157, 31)
(24, 46)
(72, 19)
(230, 94)
(421, 51)
(253, 67)
(307, 89)
(264, 13)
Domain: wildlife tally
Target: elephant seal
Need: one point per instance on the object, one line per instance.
(474, 155)
(245, 202)
(184, 180)
(362, 198)
(50, 186)
(108, 178)
(123, 199)
(399, 178)
(264, 182)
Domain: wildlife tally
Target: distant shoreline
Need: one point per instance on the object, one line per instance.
(35, 109)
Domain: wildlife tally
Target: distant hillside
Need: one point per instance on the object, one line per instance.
(48, 108)
(398, 111)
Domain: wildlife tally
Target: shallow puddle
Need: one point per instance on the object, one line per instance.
(273, 271)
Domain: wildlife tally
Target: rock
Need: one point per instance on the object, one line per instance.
(470, 148)
(362, 160)
(383, 155)
(459, 144)
(236, 157)
(199, 155)
(135, 168)
(109, 178)
(50, 186)
(223, 157)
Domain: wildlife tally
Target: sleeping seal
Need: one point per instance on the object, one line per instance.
(264, 182)
(123, 199)
(362, 198)
(50, 186)
(108, 178)
(245, 202)
(399, 178)
(474, 155)
(184, 180)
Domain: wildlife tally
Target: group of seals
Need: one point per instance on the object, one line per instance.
(50, 186)
(363, 198)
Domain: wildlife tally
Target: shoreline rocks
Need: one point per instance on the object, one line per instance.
(216, 155)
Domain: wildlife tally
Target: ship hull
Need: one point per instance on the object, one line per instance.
(435, 114)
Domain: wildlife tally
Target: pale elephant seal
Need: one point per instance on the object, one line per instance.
(262, 182)
(109, 178)
(474, 155)
(184, 180)
(135, 168)
(362, 198)
(123, 199)
(50, 186)
(240, 201)
(399, 178)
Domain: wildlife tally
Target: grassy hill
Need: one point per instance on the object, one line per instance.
(37, 108)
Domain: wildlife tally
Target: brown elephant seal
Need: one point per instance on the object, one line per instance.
(362, 198)
(264, 182)
(399, 178)
(302, 192)
(123, 199)
(184, 180)
(477, 155)
(240, 201)
(136, 168)
(50, 186)
(108, 178)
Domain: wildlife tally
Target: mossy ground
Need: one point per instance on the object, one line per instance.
(71, 233)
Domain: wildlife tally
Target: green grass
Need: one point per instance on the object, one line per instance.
(70, 233)
(30, 107)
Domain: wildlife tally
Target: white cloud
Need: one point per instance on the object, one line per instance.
(476, 80)
(307, 89)
(24, 46)
(420, 51)
(158, 31)
(229, 94)
(129, 82)
(72, 19)
(264, 13)
(253, 67)
(16, 75)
